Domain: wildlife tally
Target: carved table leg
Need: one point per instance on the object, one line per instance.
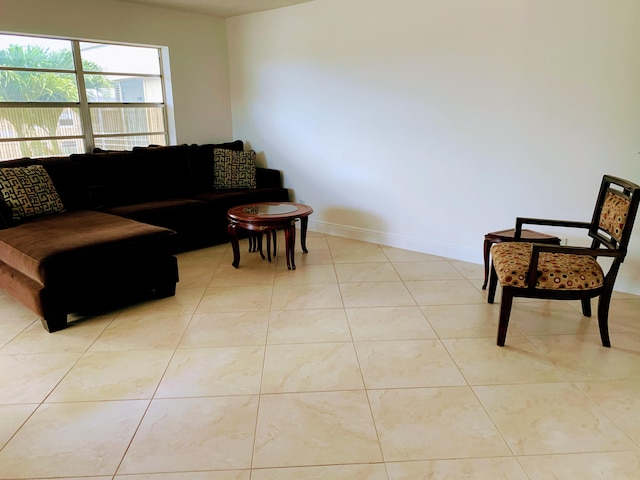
(233, 235)
(303, 233)
(268, 234)
(260, 245)
(290, 243)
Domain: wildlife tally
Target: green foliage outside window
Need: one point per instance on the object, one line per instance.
(39, 84)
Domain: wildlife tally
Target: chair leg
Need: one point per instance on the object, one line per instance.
(505, 313)
(603, 318)
(486, 248)
(493, 284)
(586, 307)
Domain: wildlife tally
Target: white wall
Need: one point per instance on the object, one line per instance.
(197, 51)
(424, 124)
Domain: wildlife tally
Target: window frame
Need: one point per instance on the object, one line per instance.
(83, 106)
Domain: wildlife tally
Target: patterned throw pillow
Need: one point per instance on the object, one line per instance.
(233, 169)
(29, 192)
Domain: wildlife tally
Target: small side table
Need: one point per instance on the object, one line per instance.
(509, 236)
(267, 217)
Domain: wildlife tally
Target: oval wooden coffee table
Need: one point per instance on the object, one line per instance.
(267, 217)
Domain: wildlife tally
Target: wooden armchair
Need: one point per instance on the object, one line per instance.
(566, 272)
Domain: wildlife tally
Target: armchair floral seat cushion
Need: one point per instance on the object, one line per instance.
(555, 271)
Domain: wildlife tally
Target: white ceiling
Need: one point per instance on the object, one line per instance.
(219, 8)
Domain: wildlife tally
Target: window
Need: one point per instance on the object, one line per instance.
(59, 97)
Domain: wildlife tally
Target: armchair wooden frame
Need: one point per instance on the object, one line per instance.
(603, 244)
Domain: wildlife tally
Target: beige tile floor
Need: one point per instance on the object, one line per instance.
(367, 362)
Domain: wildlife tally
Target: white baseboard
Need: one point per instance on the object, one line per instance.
(399, 241)
(471, 255)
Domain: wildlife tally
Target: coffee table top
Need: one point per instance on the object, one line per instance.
(268, 211)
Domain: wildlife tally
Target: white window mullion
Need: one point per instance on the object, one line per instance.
(85, 113)
(169, 128)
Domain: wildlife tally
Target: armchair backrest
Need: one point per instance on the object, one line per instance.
(615, 213)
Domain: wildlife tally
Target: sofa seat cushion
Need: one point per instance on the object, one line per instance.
(61, 245)
(190, 218)
(234, 197)
(163, 206)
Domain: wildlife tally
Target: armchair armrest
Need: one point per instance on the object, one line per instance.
(549, 222)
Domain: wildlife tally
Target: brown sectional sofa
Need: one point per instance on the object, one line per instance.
(125, 216)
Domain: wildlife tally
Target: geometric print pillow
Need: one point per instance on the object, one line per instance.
(29, 192)
(233, 169)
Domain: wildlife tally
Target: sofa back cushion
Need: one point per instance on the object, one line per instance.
(128, 177)
(165, 171)
(66, 179)
(108, 178)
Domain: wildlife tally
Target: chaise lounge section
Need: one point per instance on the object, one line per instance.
(62, 262)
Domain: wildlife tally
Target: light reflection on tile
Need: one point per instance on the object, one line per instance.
(500, 468)
(465, 321)
(444, 292)
(520, 361)
(72, 439)
(375, 294)
(320, 428)
(225, 329)
(311, 367)
(388, 323)
(366, 272)
(303, 297)
(194, 434)
(307, 326)
(206, 372)
(574, 424)
(125, 375)
(333, 472)
(620, 399)
(407, 363)
(11, 418)
(431, 423)
(585, 466)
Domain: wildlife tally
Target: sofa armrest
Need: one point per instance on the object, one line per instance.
(268, 178)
